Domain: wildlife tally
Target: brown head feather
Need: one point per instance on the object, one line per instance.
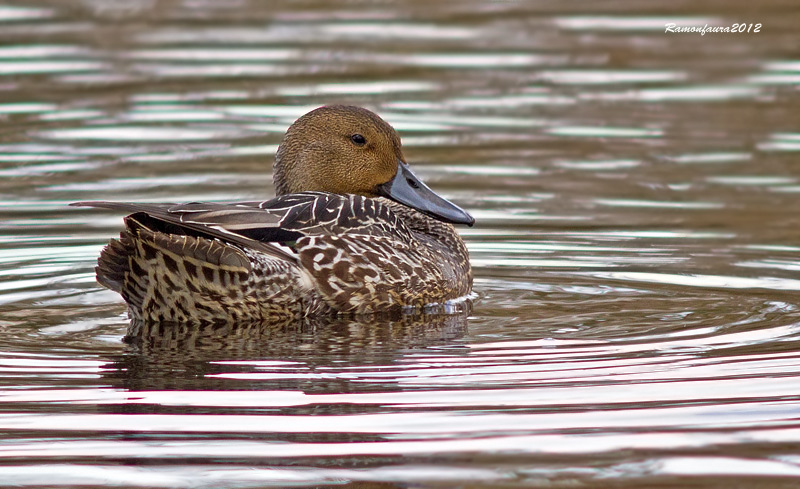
(318, 152)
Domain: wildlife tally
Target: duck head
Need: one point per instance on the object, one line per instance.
(349, 150)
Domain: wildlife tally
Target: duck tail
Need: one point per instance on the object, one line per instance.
(113, 262)
(117, 260)
(175, 277)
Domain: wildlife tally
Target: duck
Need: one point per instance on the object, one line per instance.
(352, 231)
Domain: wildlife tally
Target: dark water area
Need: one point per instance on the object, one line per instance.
(636, 251)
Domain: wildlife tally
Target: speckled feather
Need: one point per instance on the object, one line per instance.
(330, 243)
(297, 255)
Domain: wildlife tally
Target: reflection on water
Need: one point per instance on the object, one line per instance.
(635, 256)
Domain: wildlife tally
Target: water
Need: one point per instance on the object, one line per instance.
(636, 253)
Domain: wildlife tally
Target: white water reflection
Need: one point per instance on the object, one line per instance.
(10, 13)
(630, 22)
(657, 205)
(500, 445)
(608, 165)
(634, 254)
(143, 183)
(483, 60)
(710, 158)
(781, 142)
(599, 77)
(26, 108)
(700, 280)
(213, 476)
(139, 133)
(681, 94)
(399, 30)
(364, 88)
(511, 101)
(46, 51)
(9, 68)
(751, 180)
(604, 132)
(790, 265)
(200, 53)
(728, 466)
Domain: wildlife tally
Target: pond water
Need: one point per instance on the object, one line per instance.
(637, 255)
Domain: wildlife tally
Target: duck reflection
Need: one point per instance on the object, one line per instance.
(221, 356)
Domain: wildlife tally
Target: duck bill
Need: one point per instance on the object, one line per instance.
(406, 188)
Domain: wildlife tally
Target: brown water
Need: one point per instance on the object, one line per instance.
(637, 252)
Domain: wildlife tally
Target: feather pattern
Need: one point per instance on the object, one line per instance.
(352, 231)
(295, 255)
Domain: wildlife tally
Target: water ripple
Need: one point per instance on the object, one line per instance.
(635, 316)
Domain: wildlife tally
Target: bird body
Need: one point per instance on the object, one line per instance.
(367, 237)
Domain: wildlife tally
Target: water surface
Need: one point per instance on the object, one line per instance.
(636, 254)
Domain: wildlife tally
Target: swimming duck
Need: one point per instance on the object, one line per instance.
(352, 231)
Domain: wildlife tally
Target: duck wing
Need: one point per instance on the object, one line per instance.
(282, 219)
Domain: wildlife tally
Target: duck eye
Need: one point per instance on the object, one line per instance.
(358, 139)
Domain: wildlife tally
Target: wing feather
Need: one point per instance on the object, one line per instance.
(161, 212)
(279, 220)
